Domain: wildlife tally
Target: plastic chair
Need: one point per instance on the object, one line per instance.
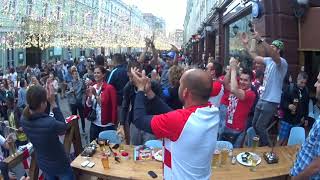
(297, 136)
(250, 134)
(224, 145)
(153, 144)
(110, 135)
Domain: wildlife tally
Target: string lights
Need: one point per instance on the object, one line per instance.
(54, 23)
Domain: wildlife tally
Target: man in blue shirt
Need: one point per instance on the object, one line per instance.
(307, 165)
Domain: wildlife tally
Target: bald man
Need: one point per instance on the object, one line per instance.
(189, 134)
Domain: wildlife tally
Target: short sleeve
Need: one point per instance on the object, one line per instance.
(216, 88)
(267, 60)
(168, 125)
(284, 67)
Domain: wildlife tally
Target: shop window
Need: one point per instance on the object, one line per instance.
(234, 46)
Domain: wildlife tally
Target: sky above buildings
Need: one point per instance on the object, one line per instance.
(173, 11)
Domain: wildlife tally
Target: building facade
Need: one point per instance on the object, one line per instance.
(216, 31)
(35, 31)
(157, 24)
(176, 37)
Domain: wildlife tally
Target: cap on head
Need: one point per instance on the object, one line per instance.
(279, 44)
(171, 55)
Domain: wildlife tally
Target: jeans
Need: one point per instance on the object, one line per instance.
(75, 108)
(68, 175)
(238, 134)
(262, 117)
(95, 130)
(223, 109)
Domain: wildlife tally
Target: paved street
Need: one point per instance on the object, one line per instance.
(64, 106)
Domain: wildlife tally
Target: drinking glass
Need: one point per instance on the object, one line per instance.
(216, 159)
(254, 162)
(255, 143)
(101, 145)
(224, 156)
(105, 162)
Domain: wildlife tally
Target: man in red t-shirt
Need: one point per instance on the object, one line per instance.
(241, 99)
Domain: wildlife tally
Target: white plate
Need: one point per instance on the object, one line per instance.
(158, 155)
(239, 159)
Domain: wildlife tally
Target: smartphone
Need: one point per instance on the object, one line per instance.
(91, 164)
(85, 163)
(152, 174)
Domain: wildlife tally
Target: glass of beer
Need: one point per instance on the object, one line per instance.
(216, 159)
(105, 162)
(254, 162)
(224, 156)
(255, 143)
(295, 103)
(101, 144)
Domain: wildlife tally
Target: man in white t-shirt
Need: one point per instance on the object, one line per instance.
(276, 69)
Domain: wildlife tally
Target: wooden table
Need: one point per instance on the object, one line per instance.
(280, 170)
(129, 169)
(126, 169)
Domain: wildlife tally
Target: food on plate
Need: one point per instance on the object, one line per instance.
(246, 157)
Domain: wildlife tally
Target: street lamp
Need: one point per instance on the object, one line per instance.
(300, 7)
(235, 29)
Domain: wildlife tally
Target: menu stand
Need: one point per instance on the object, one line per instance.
(72, 136)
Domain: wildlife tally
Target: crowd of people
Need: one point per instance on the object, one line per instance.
(157, 96)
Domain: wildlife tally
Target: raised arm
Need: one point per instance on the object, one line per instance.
(143, 55)
(154, 61)
(234, 88)
(251, 49)
(270, 51)
(226, 79)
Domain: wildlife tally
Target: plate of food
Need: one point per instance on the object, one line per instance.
(158, 155)
(248, 158)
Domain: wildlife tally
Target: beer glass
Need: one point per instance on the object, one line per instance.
(254, 162)
(101, 144)
(216, 159)
(224, 156)
(105, 162)
(255, 143)
(295, 103)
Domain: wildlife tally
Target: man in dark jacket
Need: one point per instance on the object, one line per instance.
(294, 103)
(43, 132)
(118, 77)
(127, 129)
